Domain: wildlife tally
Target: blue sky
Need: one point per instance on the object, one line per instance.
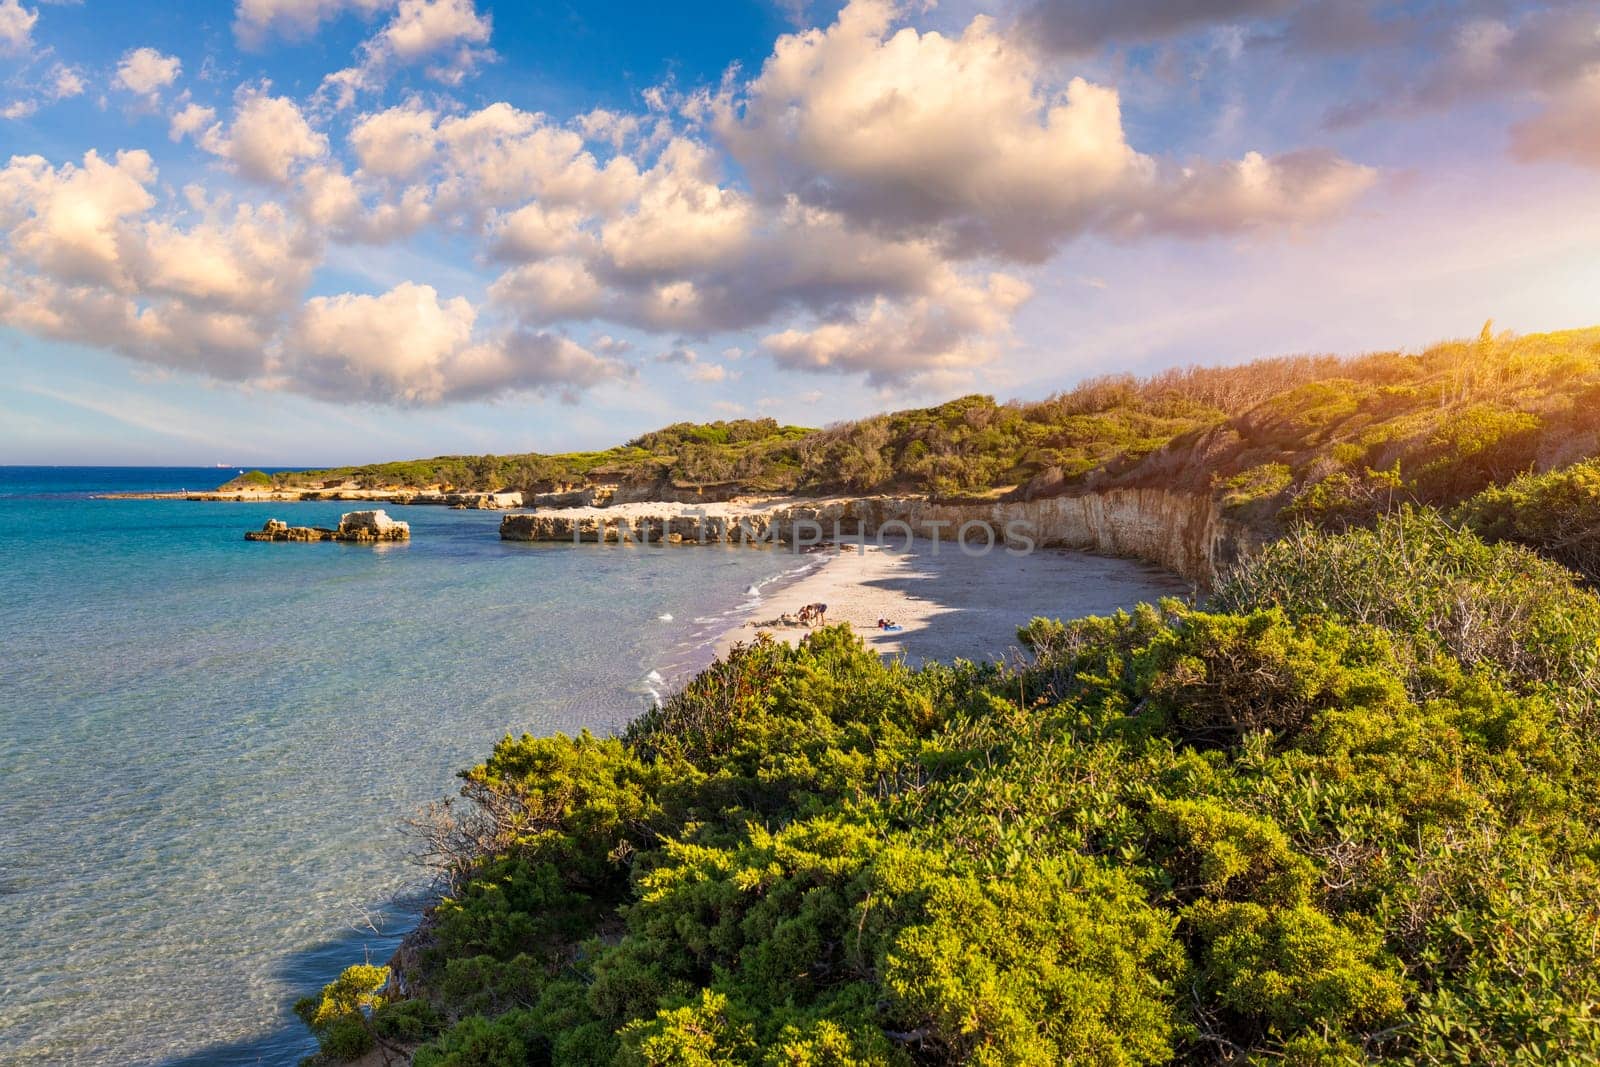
(316, 231)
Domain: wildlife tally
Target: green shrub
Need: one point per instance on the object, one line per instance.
(1474, 447)
(1441, 591)
(338, 1016)
(1228, 855)
(1556, 514)
(1066, 962)
(1218, 677)
(406, 1022)
(1345, 499)
(1294, 971)
(702, 1034)
(479, 1042)
(1246, 487)
(1344, 813)
(252, 480)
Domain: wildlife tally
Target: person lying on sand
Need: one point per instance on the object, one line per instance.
(888, 624)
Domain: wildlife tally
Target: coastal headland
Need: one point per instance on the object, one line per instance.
(488, 501)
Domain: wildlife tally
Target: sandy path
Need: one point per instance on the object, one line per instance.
(951, 605)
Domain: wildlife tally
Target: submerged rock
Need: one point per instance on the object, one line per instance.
(363, 526)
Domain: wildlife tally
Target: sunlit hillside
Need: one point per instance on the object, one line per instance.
(1326, 439)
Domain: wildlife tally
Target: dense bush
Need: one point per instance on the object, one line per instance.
(1441, 591)
(1347, 814)
(252, 480)
(1557, 514)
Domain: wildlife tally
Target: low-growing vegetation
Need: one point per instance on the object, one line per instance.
(1556, 513)
(1343, 813)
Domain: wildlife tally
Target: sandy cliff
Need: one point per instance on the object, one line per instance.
(1183, 532)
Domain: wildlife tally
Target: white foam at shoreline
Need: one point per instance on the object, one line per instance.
(702, 646)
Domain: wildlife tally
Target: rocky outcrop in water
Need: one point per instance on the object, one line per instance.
(357, 526)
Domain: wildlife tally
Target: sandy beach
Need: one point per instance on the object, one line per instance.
(950, 605)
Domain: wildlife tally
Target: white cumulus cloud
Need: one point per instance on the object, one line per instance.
(395, 142)
(16, 27)
(67, 221)
(266, 139)
(944, 334)
(449, 37)
(256, 20)
(205, 293)
(64, 82)
(963, 140)
(864, 204)
(422, 29)
(145, 71)
(407, 346)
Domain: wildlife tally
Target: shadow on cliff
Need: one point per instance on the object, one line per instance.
(286, 1041)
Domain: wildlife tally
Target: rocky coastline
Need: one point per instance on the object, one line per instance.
(1181, 531)
(1184, 531)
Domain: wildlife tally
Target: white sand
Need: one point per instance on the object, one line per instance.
(952, 605)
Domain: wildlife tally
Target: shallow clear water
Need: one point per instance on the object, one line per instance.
(206, 745)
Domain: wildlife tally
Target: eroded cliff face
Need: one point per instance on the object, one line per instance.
(1183, 532)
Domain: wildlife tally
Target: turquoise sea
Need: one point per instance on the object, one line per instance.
(207, 745)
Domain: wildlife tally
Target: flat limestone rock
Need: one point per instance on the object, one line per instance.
(359, 526)
(371, 526)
